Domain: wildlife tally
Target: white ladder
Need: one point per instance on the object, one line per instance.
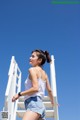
(13, 87)
(13, 110)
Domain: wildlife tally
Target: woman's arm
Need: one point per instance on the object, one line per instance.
(49, 91)
(33, 89)
(33, 78)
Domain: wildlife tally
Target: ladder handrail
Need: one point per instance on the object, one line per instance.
(54, 88)
(13, 87)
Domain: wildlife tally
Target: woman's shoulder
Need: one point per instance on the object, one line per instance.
(31, 69)
(41, 73)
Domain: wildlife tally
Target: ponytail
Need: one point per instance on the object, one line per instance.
(48, 58)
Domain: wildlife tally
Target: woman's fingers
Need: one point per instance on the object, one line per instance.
(15, 98)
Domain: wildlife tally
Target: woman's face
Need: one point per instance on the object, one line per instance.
(34, 61)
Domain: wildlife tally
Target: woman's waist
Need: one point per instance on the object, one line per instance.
(33, 98)
(40, 94)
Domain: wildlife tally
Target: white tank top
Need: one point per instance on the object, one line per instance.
(41, 92)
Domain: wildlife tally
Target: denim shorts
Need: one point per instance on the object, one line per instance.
(35, 104)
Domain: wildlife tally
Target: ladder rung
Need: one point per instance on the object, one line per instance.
(49, 113)
(47, 105)
(46, 98)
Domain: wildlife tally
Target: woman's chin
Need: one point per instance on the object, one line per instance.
(30, 63)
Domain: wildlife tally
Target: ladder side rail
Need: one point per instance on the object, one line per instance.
(14, 74)
(10, 76)
(16, 102)
(9, 102)
(19, 83)
(13, 92)
(18, 69)
(16, 89)
(10, 89)
(54, 88)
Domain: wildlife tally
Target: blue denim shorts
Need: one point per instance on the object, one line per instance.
(35, 104)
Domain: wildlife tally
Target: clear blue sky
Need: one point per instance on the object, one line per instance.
(29, 24)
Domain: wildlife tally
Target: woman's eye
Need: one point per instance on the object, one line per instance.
(32, 56)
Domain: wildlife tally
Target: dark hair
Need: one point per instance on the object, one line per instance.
(44, 55)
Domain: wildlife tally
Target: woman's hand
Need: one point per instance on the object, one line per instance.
(52, 102)
(15, 97)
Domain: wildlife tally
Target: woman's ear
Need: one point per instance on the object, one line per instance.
(39, 61)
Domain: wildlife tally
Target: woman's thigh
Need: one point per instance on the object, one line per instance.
(30, 115)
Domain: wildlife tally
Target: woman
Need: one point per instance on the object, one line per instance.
(35, 85)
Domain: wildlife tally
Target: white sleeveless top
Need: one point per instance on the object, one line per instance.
(41, 92)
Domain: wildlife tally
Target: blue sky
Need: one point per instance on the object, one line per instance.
(27, 25)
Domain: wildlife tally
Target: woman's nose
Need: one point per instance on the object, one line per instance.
(30, 58)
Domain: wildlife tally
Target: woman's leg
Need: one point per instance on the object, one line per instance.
(30, 115)
(40, 119)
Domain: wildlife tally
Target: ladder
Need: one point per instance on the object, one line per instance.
(14, 110)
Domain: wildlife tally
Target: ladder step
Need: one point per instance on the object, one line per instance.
(47, 105)
(46, 98)
(49, 113)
